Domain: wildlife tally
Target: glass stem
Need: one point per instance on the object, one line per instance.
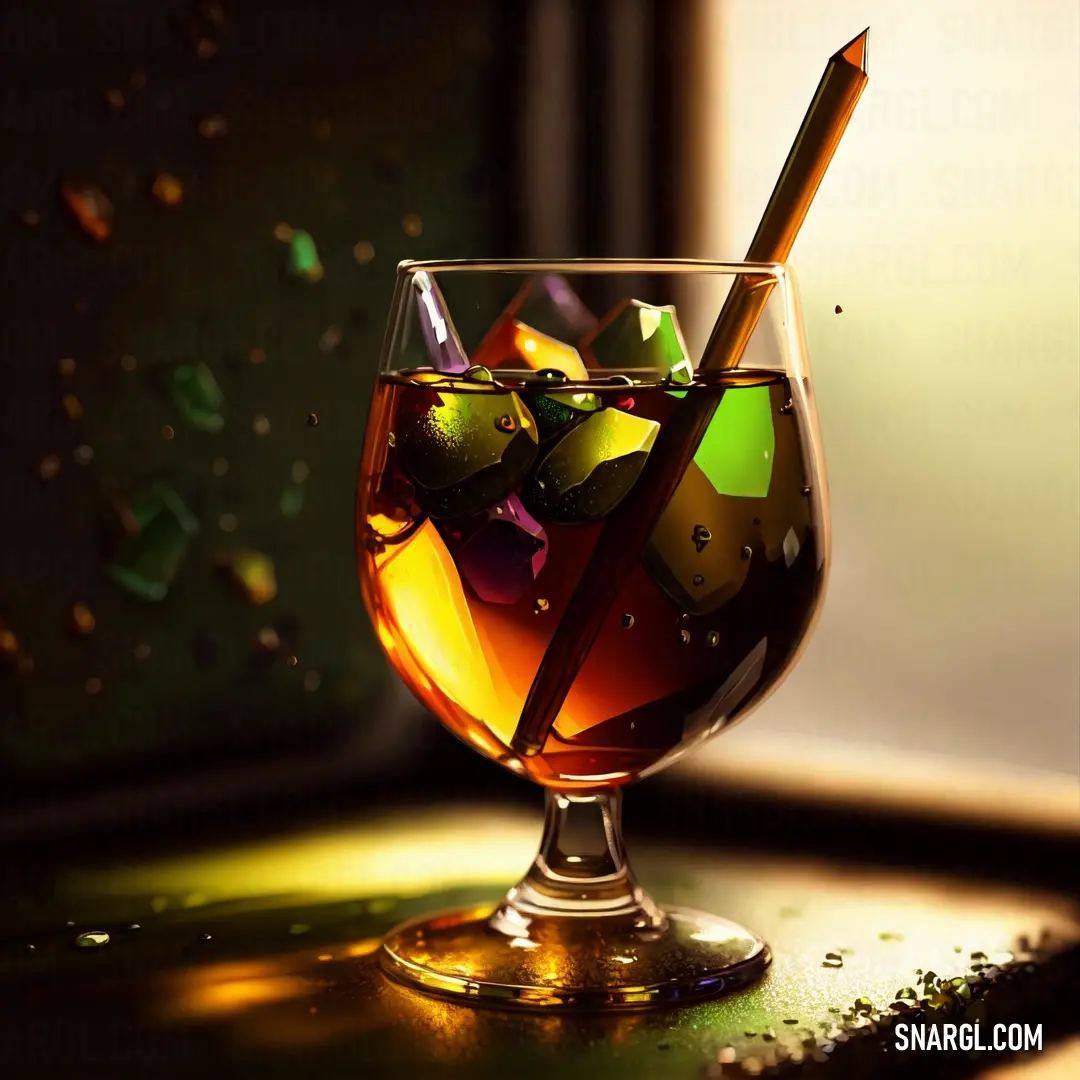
(581, 868)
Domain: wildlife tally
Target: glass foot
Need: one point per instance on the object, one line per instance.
(566, 962)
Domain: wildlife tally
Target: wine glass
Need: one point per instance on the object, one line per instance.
(568, 606)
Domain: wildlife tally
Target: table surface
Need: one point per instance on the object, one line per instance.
(259, 960)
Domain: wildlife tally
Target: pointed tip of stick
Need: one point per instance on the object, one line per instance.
(855, 52)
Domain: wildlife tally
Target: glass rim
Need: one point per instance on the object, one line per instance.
(777, 270)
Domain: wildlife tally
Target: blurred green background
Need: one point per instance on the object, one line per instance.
(364, 126)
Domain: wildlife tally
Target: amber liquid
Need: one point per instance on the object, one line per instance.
(705, 625)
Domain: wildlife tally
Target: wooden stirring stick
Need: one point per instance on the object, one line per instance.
(628, 529)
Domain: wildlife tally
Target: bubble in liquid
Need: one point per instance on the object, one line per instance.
(506, 423)
(627, 621)
(712, 639)
(699, 579)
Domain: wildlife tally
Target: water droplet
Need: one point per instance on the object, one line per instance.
(82, 619)
(260, 425)
(712, 639)
(66, 366)
(206, 937)
(83, 454)
(684, 636)
(701, 536)
(699, 579)
(92, 939)
(746, 553)
(838, 309)
(479, 373)
(313, 419)
(291, 661)
(134, 926)
(70, 922)
(756, 521)
(541, 605)
(627, 621)
(167, 432)
(806, 489)
(832, 960)
(93, 685)
(506, 423)
(363, 251)
(411, 225)
(791, 1021)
